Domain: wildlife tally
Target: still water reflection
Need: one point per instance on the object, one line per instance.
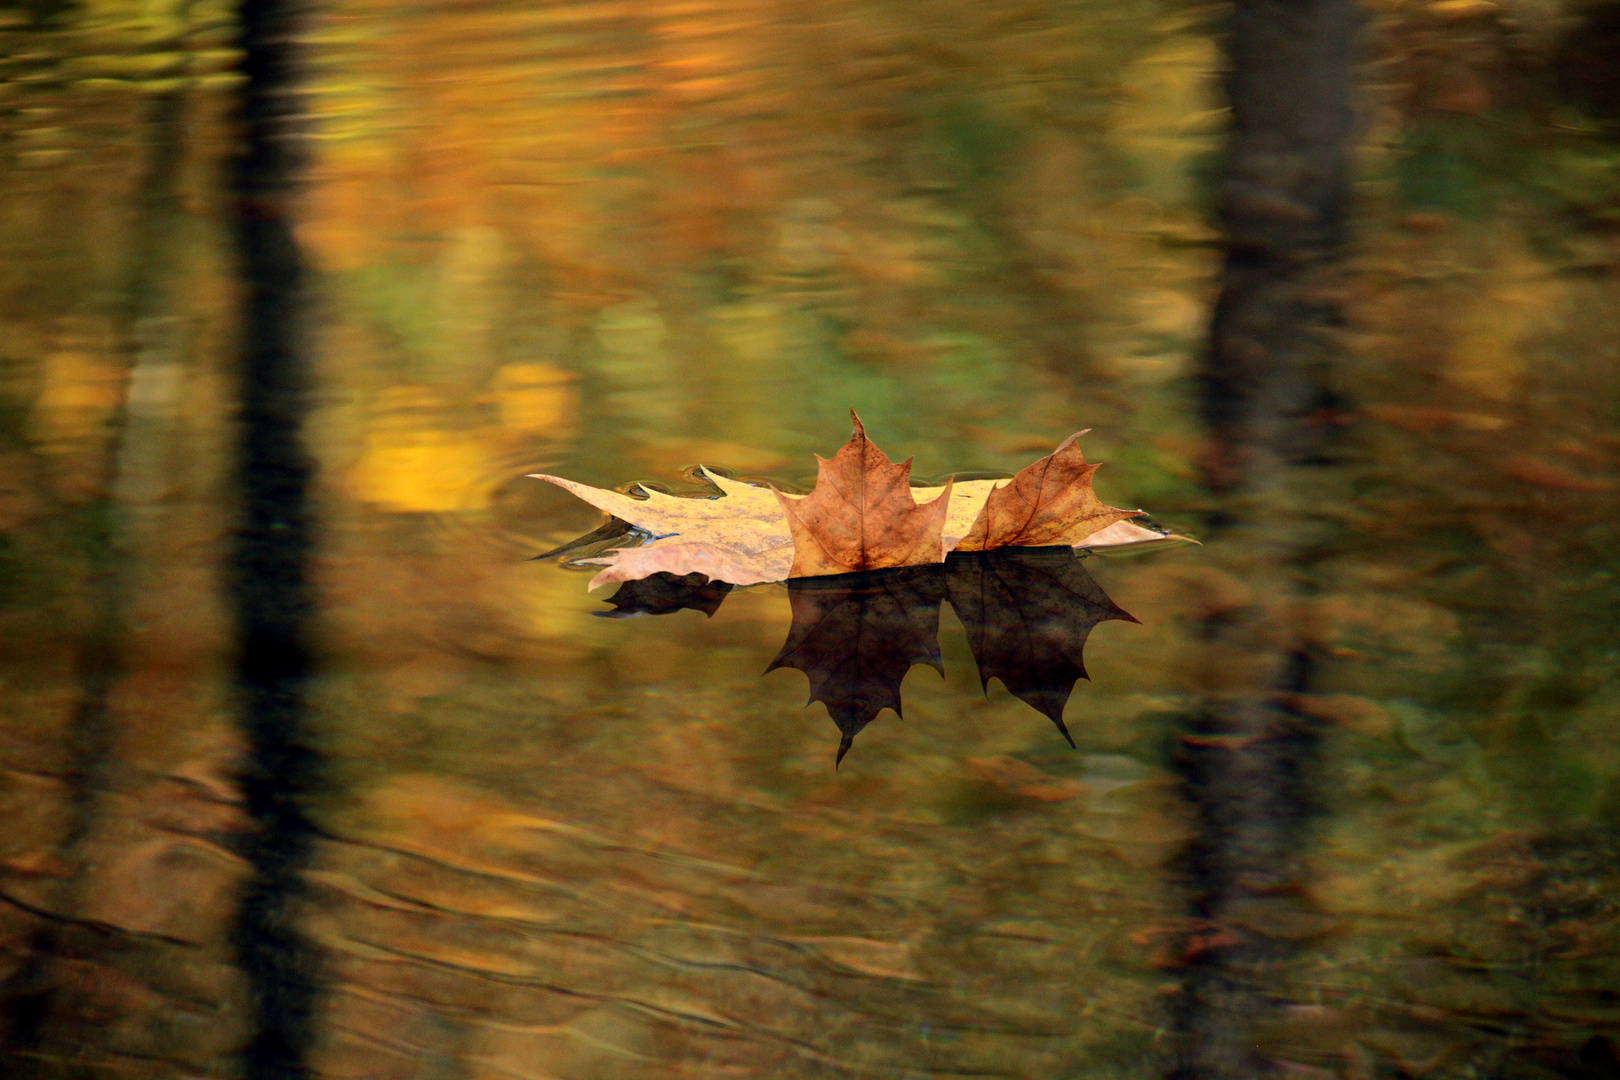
(616, 239)
(1027, 612)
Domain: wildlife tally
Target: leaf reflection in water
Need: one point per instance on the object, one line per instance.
(856, 635)
(663, 593)
(1027, 610)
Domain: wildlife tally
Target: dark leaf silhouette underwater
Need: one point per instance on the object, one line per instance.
(664, 593)
(1028, 611)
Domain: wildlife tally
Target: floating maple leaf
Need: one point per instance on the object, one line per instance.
(862, 514)
(1048, 502)
(741, 537)
(1027, 612)
(681, 555)
(1122, 535)
(770, 557)
(856, 635)
(662, 594)
(676, 555)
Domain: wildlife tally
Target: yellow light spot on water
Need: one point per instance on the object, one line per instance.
(536, 397)
(411, 462)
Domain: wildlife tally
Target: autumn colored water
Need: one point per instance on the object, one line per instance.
(612, 240)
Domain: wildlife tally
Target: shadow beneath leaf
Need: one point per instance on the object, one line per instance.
(856, 635)
(1027, 610)
(665, 593)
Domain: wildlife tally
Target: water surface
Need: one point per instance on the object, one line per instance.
(611, 241)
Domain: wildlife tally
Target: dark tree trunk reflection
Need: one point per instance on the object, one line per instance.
(1270, 408)
(43, 1016)
(271, 587)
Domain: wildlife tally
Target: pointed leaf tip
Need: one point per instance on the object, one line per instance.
(862, 515)
(1049, 502)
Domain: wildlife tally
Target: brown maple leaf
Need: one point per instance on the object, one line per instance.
(1049, 502)
(862, 515)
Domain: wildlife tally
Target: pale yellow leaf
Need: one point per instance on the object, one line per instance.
(1128, 534)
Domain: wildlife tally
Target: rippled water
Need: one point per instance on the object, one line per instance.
(613, 240)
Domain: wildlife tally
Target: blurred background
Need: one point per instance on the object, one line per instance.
(1344, 805)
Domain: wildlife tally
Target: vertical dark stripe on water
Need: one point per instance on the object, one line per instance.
(152, 262)
(1270, 407)
(1267, 394)
(270, 566)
